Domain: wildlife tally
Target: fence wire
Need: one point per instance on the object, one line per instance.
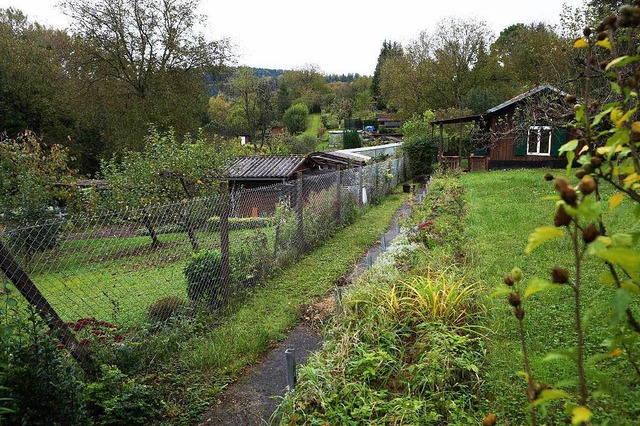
(132, 267)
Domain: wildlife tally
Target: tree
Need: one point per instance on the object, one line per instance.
(530, 55)
(306, 85)
(30, 174)
(254, 104)
(389, 50)
(438, 69)
(295, 118)
(167, 171)
(140, 62)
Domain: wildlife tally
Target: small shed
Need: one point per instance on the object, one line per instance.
(512, 138)
(261, 173)
(331, 160)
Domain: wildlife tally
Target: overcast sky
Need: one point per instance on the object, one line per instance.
(339, 36)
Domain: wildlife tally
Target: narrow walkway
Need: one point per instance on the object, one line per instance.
(257, 393)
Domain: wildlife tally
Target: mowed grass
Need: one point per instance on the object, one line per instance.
(313, 124)
(504, 207)
(116, 279)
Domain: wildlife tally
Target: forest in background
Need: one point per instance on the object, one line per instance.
(99, 86)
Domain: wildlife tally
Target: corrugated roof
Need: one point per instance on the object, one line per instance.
(525, 95)
(264, 167)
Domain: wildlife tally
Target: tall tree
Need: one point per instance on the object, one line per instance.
(389, 49)
(142, 61)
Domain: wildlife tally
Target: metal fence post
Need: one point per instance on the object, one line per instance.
(290, 359)
(375, 181)
(12, 270)
(338, 196)
(299, 211)
(360, 185)
(224, 234)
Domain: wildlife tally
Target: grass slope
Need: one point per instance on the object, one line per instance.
(504, 207)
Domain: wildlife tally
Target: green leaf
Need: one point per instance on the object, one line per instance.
(550, 395)
(621, 61)
(570, 156)
(542, 235)
(569, 146)
(607, 278)
(627, 259)
(568, 354)
(631, 287)
(622, 240)
(538, 284)
(590, 209)
(501, 290)
(620, 301)
(580, 415)
(600, 116)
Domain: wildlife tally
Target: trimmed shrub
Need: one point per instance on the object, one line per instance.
(204, 277)
(351, 139)
(421, 151)
(295, 118)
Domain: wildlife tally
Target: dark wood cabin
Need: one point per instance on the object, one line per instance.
(511, 137)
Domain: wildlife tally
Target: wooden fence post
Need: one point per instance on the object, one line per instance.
(338, 196)
(299, 211)
(32, 294)
(224, 234)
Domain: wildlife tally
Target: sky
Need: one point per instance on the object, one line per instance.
(337, 36)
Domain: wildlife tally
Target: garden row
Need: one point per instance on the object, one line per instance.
(407, 348)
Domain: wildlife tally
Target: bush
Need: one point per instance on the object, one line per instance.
(247, 265)
(303, 144)
(116, 399)
(166, 308)
(40, 383)
(295, 118)
(351, 139)
(329, 121)
(421, 151)
(204, 278)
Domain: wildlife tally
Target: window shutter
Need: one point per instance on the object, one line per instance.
(558, 139)
(520, 143)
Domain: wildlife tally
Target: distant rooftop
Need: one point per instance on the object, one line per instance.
(265, 167)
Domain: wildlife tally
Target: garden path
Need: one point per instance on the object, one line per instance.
(253, 398)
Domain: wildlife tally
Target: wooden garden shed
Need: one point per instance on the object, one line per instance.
(524, 131)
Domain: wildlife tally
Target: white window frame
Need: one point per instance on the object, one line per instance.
(538, 130)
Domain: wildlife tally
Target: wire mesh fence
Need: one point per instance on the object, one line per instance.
(131, 267)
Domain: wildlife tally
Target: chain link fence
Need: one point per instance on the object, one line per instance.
(130, 267)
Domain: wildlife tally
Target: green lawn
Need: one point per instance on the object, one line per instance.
(504, 207)
(116, 279)
(313, 124)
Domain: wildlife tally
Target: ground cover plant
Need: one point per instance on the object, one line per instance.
(406, 349)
